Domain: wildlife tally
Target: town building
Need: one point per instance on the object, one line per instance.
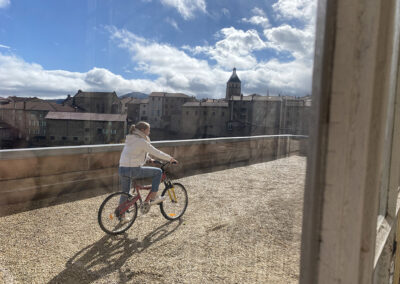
(268, 115)
(24, 120)
(8, 135)
(95, 102)
(239, 115)
(204, 119)
(137, 110)
(124, 104)
(75, 128)
(165, 113)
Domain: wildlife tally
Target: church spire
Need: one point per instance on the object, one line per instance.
(233, 86)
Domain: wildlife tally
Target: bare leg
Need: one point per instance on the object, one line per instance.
(151, 196)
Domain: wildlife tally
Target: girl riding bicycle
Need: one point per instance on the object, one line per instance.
(134, 155)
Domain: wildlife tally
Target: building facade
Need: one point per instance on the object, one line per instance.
(76, 128)
(165, 114)
(25, 117)
(95, 102)
(204, 119)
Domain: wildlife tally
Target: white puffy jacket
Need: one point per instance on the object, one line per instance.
(136, 150)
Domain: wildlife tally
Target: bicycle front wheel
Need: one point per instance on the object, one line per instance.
(176, 202)
(117, 213)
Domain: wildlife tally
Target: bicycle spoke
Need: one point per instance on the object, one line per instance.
(174, 206)
(115, 218)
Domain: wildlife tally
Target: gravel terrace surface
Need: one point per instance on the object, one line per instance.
(243, 225)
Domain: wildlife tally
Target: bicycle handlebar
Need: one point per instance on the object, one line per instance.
(163, 164)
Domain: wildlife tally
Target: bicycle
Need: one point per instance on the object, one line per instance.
(122, 204)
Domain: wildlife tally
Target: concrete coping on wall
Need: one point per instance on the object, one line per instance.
(87, 149)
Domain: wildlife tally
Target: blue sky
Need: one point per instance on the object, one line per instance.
(52, 48)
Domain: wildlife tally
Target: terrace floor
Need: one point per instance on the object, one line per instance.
(243, 225)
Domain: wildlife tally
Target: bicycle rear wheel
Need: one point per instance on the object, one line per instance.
(175, 203)
(111, 213)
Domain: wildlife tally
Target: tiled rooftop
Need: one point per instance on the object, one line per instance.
(86, 116)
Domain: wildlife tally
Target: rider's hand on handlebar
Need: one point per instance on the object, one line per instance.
(154, 162)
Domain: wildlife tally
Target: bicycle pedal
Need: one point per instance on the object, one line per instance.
(145, 207)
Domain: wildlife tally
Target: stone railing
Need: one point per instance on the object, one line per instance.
(49, 176)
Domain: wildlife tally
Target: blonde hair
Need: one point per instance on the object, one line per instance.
(141, 125)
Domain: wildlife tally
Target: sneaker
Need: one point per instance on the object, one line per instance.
(158, 200)
(123, 220)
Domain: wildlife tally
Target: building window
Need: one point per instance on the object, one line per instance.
(87, 129)
(204, 112)
(143, 112)
(75, 138)
(187, 113)
(223, 113)
(64, 138)
(99, 130)
(213, 113)
(195, 112)
(52, 137)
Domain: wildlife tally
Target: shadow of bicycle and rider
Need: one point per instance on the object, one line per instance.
(108, 255)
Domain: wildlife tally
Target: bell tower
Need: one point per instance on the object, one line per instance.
(233, 86)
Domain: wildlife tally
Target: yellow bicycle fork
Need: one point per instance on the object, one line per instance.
(172, 196)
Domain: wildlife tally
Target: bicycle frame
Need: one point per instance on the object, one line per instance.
(124, 207)
(136, 190)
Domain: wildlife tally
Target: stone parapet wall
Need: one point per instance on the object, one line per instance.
(60, 174)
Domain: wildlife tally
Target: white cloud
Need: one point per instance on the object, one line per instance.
(234, 49)
(278, 77)
(175, 69)
(186, 8)
(4, 46)
(298, 42)
(298, 9)
(259, 18)
(180, 72)
(21, 78)
(257, 11)
(173, 23)
(4, 3)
